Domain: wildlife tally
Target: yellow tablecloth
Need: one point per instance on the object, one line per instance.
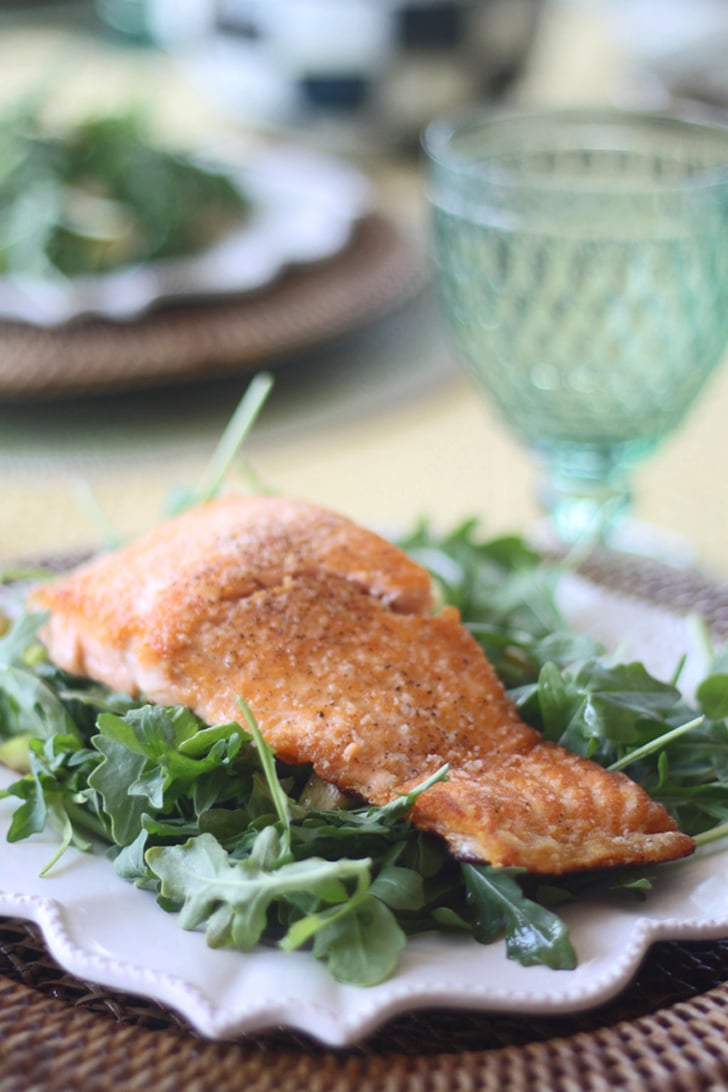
(381, 426)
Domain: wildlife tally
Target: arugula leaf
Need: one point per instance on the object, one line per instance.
(54, 793)
(155, 756)
(599, 710)
(712, 694)
(359, 939)
(29, 707)
(234, 897)
(404, 802)
(533, 934)
(119, 770)
(657, 745)
(506, 595)
(362, 947)
(400, 888)
(501, 580)
(267, 761)
(236, 432)
(19, 638)
(102, 195)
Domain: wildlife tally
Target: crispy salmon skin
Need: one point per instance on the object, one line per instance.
(328, 632)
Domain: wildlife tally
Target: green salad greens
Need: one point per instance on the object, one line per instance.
(101, 195)
(206, 818)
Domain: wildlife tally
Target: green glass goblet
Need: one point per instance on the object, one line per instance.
(581, 263)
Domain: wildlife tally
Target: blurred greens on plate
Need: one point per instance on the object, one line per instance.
(102, 195)
(99, 220)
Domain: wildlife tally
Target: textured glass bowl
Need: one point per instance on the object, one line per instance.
(581, 261)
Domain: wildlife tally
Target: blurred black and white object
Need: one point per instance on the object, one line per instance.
(375, 69)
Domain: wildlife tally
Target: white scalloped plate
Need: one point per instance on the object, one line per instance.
(103, 930)
(303, 209)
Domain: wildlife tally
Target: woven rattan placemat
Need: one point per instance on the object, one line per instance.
(306, 306)
(668, 1032)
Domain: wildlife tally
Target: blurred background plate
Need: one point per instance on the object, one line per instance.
(306, 306)
(303, 208)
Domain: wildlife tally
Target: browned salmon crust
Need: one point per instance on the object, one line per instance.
(326, 630)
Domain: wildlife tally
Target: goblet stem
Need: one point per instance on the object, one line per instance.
(585, 492)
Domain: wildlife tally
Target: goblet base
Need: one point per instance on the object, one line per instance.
(585, 491)
(630, 536)
(586, 494)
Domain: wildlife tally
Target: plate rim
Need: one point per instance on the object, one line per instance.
(126, 294)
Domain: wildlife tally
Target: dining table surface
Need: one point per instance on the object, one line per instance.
(378, 421)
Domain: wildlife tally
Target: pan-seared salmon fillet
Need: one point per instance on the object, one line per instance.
(328, 633)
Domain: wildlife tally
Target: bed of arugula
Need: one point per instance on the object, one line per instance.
(209, 821)
(255, 852)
